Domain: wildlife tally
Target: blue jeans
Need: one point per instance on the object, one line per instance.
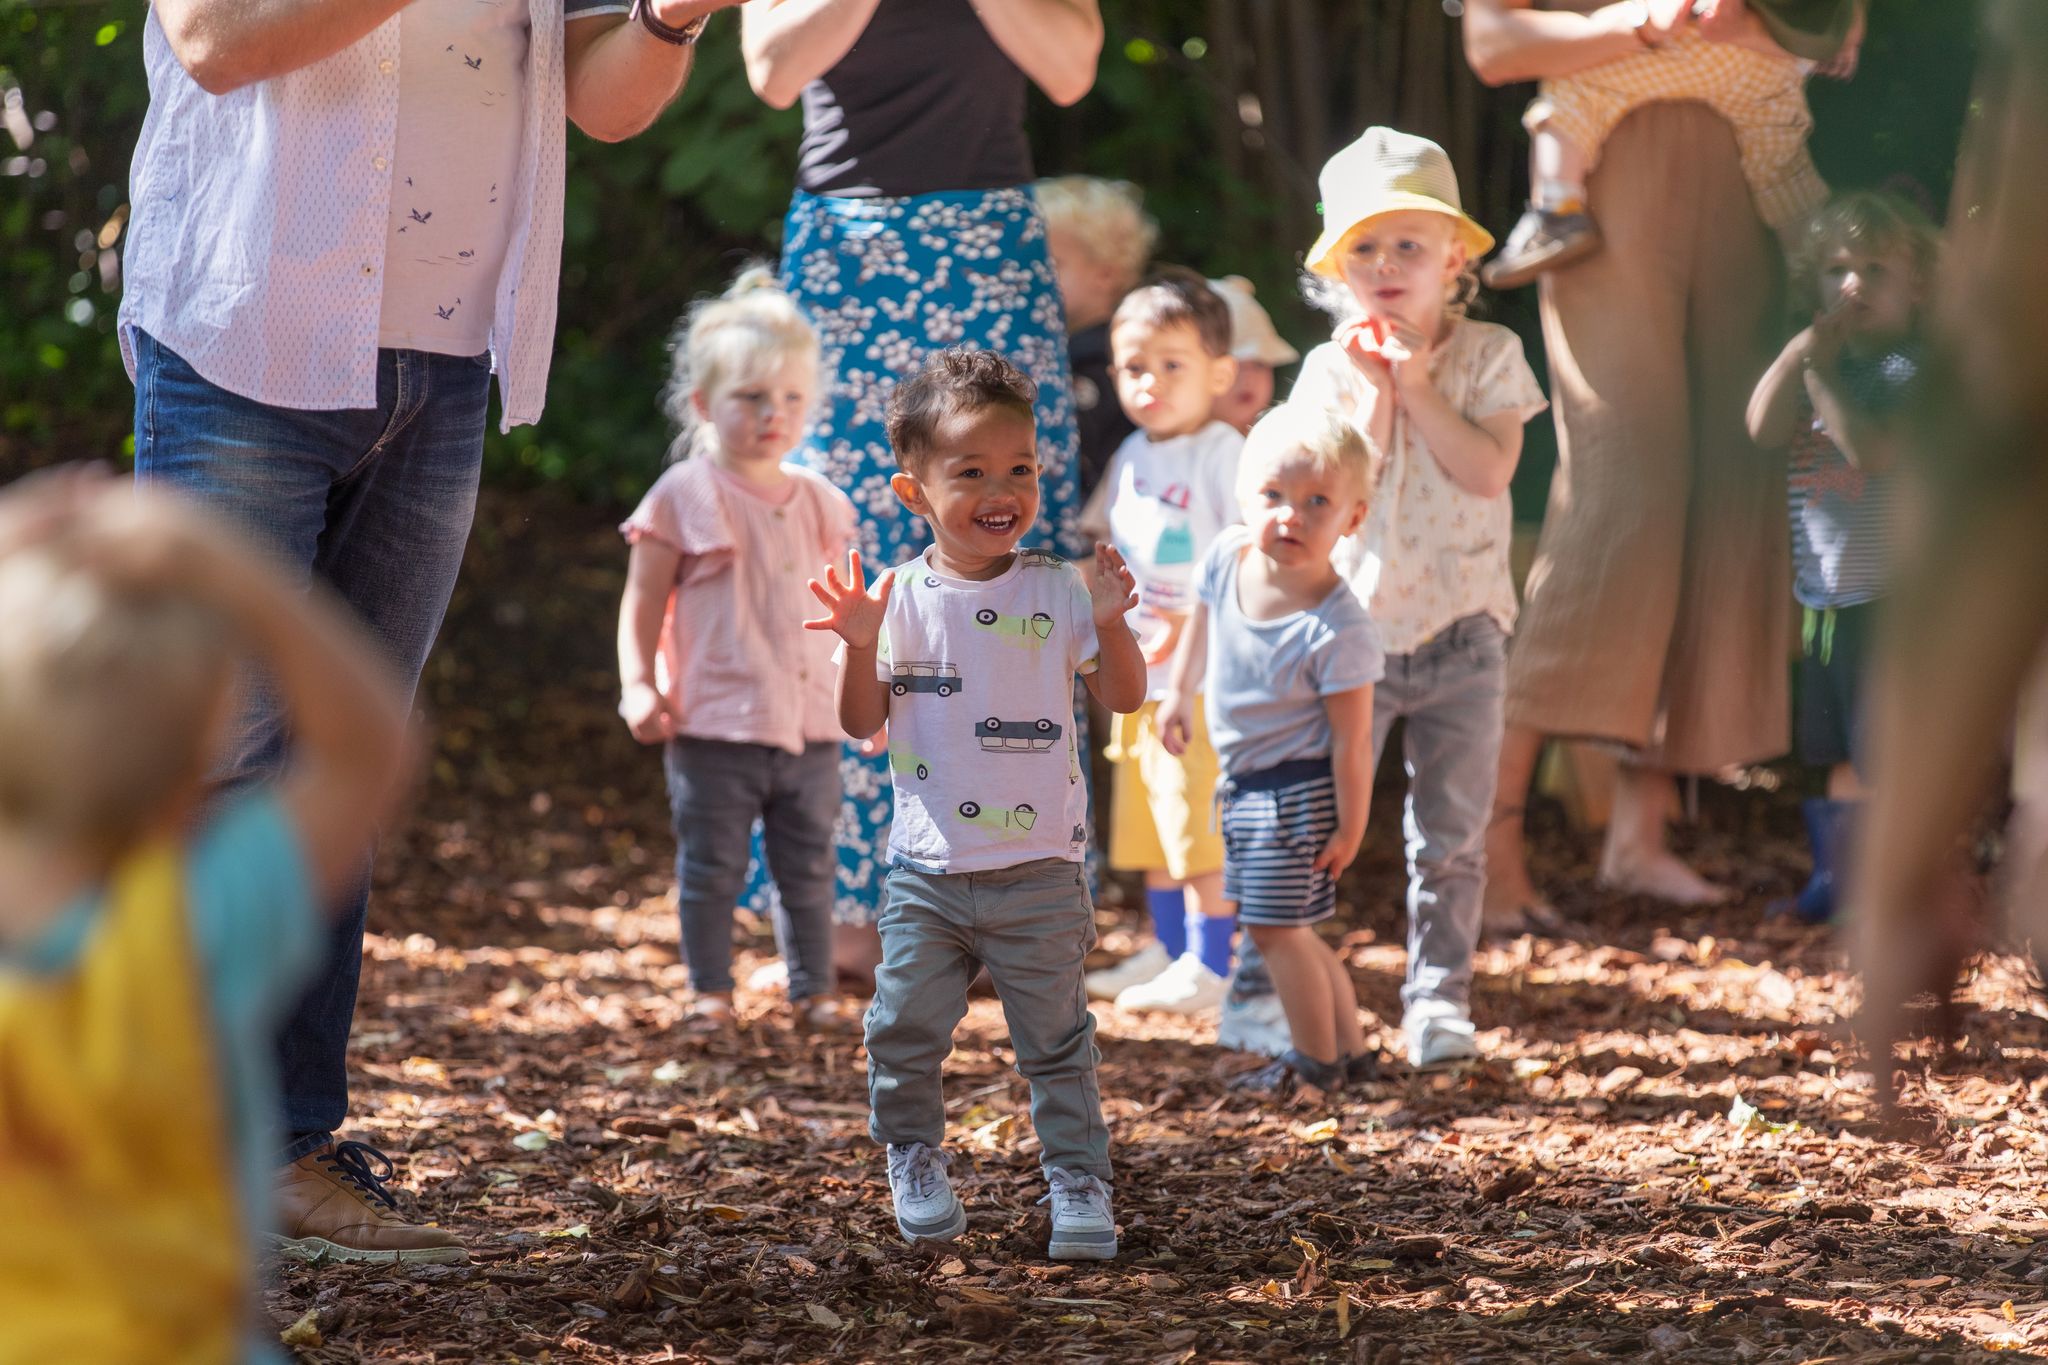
(375, 502)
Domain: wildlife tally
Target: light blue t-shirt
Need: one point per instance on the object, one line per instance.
(1266, 680)
(257, 937)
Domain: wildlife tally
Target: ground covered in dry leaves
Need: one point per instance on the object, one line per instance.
(1670, 1152)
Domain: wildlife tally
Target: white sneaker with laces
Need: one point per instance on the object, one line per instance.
(1439, 1033)
(1186, 987)
(1135, 970)
(926, 1208)
(1082, 1226)
(1254, 1024)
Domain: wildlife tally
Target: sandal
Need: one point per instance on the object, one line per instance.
(708, 1014)
(828, 1013)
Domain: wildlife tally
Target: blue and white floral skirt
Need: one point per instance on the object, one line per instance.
(887, 282)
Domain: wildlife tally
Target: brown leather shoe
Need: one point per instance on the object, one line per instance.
(332, 1206)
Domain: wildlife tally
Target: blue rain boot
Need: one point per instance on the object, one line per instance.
(1827, 830)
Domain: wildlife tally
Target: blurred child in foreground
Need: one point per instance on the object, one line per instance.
(149, 942)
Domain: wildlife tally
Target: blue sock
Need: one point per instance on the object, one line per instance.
(1169, 919)
(1211, 937)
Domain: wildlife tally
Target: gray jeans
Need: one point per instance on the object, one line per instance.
(1031, 926)
(716, 790)
(1449, 692)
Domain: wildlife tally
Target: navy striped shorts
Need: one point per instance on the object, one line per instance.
(1275, 822)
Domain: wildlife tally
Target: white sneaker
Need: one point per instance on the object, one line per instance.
(926, 1208)
(1082, 1227)
(1439, 1033)
(1135, 970)
(1255, 1023)
(1186, 987)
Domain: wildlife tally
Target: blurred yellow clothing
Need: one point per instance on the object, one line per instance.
(122, 1236)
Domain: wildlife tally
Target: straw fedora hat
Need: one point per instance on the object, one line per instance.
(1252, 336)
(1386, 171)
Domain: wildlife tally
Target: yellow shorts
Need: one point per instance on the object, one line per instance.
(1162, 809)
(1762, 96)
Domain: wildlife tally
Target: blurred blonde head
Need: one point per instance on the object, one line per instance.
(1316, 435)
(1100, 239)
(745, 336)
(113, 696)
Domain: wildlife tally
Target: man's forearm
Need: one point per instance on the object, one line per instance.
(227, 44)
(620, 76)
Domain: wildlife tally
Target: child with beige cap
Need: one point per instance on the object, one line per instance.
(1441, 401)
(1258, 350)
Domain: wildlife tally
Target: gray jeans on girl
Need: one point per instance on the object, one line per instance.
(716, 790)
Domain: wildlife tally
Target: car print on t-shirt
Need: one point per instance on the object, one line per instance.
(1014, 823)
(1029, 631)
(1017, 736)
(919, 675)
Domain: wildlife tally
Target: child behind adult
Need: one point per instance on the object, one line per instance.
(150, 945)
(714, 662)
(1170, 489)
(1287, 657)
(1442, 400)
(968, 654)
(1865, 268)
(1746, 59)
(1099, 237)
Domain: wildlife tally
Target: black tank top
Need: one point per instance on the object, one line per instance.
(923, 101)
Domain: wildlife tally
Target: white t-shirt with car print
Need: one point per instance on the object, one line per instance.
(982, 749)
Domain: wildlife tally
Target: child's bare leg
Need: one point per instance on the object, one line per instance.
(1205, 896)
(1344, 1005)
(1557, 170)
(1844, 784)
(1298, 961)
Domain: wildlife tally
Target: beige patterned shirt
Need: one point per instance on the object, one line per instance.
(1432, 553)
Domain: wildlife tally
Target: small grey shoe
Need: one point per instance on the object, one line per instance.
(926, 1208)
(1082, 1227)
(1255, 1023)
(1543, 239)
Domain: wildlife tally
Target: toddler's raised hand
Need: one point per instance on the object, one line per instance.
(1361, 342)
(1112, 591)
(850, 610)
(646, 713)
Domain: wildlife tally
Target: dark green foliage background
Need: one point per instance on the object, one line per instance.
(1210, 107)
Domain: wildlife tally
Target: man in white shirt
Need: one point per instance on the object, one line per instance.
(347, 216)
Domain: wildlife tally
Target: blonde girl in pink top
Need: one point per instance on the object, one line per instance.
(714, 662)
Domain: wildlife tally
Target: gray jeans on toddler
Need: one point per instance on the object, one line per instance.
(1449, 691)
(716, 790)
(1031, 926)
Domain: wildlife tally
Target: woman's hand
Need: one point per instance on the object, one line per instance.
(851, 611)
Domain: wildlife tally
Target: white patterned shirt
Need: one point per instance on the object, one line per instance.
(1433, 552)
(257, 245)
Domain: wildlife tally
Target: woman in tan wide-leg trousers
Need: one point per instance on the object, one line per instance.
(1656, 609)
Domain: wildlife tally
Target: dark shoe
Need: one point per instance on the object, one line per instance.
(1364, 1069)
(1827, 831)
(1287, 1073)
(1543, 239)
(332, 1206)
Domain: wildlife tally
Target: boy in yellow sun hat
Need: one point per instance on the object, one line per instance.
(1441, 401)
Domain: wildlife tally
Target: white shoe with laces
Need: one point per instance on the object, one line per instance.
(1135, 970)
(1186, 987)
(1082, 1227)
(1439, 1033)
(926, 1208)
(1255, 1023)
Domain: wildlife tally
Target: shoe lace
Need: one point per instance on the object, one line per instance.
(1076, 1192)
(356, 1164)
(917, 1167)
